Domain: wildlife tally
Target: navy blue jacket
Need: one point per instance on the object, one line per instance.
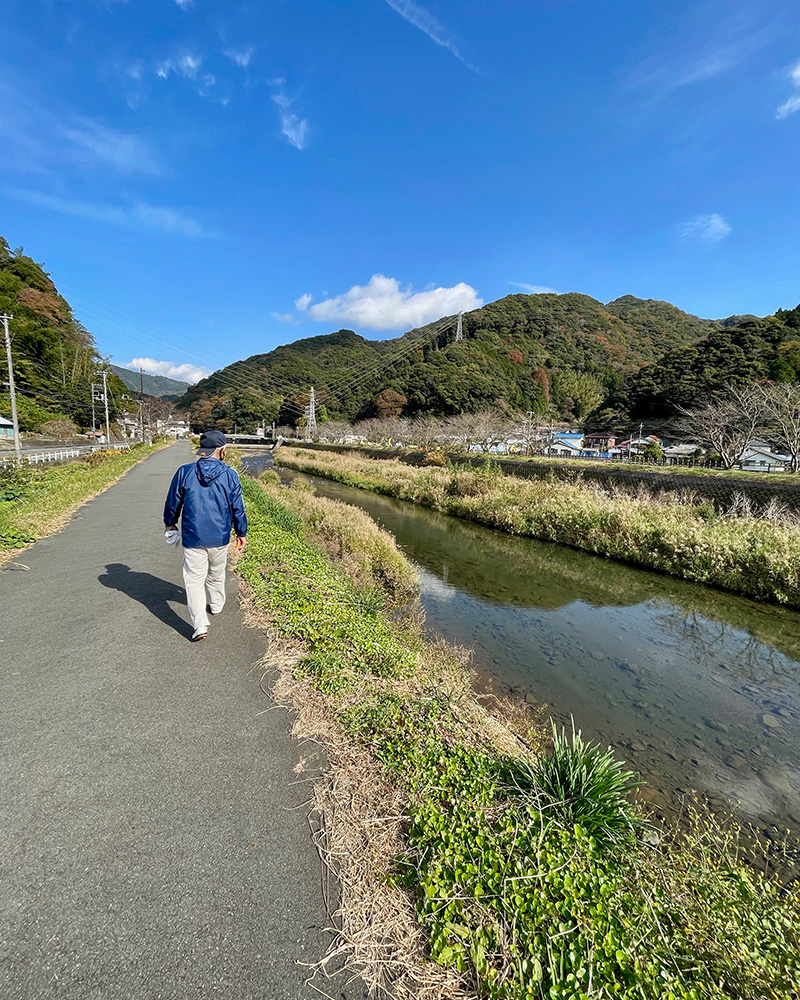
(208, 496)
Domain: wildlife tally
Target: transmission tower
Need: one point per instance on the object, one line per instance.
(311, 417)
(460, 328)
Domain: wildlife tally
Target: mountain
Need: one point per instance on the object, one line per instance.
(522, 352)
(55, 358)
(159, 386)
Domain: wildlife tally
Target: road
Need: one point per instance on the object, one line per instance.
(154, 840)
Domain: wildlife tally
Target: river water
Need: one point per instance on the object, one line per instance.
(697, 689)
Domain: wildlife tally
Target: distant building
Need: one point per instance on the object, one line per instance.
(598, 444)
(759, 457)
(6, 429)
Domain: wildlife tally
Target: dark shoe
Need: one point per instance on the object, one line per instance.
(199, 635)
(214, 613)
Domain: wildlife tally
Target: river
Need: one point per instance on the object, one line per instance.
(697, 689)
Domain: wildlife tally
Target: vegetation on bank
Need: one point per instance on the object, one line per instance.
(530, 872)
(37, 500)
(758, 557)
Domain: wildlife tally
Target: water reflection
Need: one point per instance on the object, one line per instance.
(697, 688)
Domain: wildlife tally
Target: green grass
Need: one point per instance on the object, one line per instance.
(529, 874)
(671, 533)
(36, 501)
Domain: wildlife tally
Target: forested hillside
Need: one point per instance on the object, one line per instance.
(54, 357)
(523, 352)
(158, 386)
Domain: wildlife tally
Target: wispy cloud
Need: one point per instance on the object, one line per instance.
(42, 139)
(186, 65)
(792, 103)
(124, 151)
(284, 317)
(170, 369)
(707, 230)
(429, 25)
(384, 305)
(296, 129)
(241, 57)
(184, 4)
(533, 289)
(138, 215)
(704, 47)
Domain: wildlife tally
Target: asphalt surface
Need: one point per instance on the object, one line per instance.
(154, 840)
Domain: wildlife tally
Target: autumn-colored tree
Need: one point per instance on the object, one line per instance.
(389, 403)
(515, 357)
(543, 379)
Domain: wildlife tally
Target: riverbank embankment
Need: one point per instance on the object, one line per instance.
(672, 533)
(38, 501)
(725, 489)
(473, 861)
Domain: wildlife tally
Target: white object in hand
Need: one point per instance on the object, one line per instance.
(172, 536)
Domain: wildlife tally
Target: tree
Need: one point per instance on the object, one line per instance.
(781, 403)
(726, 424)
(653, 453)
(389, 403)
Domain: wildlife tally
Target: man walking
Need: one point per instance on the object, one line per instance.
(207, 495)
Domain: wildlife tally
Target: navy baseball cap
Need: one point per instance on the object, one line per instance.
(210, 441)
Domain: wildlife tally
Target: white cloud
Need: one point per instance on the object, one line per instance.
(169, 369)
(792, 103)
(707, 230)
(303, 302)
(429, 25)
(533, 289)
(139, 215)
(383, 305)
(186, 65)
(42, 138)
(126, 152)
(295, 129)
(284, 317)
(184, 4)
(703, 47)
(241, 57)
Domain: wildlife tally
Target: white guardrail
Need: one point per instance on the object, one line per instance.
(55, 455)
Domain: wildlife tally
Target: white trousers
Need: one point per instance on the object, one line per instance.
(204, 573)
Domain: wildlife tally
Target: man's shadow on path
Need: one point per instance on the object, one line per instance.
(150, 591)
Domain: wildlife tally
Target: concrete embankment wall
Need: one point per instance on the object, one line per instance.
(722, 492)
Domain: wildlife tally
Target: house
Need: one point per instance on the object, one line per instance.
(6, 430)
(565, 449)
(674, 454)
(759, 457)
(598, 444)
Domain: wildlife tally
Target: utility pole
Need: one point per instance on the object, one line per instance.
(105, 400)
(311, 415)
(11, 389)
(460, 327)
(94, 389)
(141, 404)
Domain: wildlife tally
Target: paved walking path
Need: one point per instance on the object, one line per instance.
(153, 837)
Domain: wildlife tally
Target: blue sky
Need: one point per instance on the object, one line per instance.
(207, 180)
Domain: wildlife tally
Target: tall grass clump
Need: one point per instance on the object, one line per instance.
(579, 783)
(753, 556)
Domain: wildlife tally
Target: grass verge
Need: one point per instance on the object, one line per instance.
(474, 863)
(38, 501)
(670, 533)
